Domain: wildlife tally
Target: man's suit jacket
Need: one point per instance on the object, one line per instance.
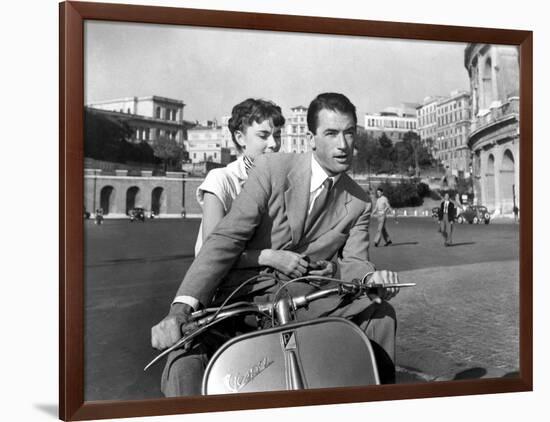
(270, 213)
(451, 211)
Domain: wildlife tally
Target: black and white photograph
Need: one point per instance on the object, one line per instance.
(271, 211)
(275, 210)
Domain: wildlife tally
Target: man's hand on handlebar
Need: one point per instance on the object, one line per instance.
(386, 279)
(167, 332)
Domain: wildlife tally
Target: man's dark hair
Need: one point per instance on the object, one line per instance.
(380, 189)
(253, 110)
(329, 101)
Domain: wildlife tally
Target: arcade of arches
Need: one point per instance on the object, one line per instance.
(117, 194)
(497, 177)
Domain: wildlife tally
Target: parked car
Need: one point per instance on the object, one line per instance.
(483, 214)
(136, 214)
(474, 214)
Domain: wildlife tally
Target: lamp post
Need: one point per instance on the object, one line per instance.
(368, 173)
(95, 191)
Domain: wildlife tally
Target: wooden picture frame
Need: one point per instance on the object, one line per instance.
(71, 266)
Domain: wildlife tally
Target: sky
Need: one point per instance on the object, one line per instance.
(212, 69)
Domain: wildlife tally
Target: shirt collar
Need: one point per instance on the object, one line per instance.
(240, 168)
(318, 175)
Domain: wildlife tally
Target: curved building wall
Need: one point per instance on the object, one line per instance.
(494, 134)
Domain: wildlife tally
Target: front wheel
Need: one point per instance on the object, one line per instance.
(460, 219)
(476, 220)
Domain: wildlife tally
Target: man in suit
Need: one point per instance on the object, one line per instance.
(381, 210)
(447, 215)
(308, 207)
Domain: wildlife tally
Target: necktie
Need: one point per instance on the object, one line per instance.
(446, 206)
(319, 204)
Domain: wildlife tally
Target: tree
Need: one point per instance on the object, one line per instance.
(107, 138)
(385, 154)
(365, 153)
(104, 137)
(406, 193)
(385, 142)
(413, 140)
(381, 155)
(168, 151)
(402, 156)
(464, 186)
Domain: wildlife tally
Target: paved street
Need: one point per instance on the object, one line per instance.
(460, 321)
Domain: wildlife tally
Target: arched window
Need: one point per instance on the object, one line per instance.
(158, 201)
(132, 198)
(106, 197)
(490, 183)
(506, 183)
(487, 83)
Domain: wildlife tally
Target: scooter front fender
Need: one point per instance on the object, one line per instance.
(323, 353)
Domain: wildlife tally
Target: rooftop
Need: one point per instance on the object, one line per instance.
(146, 98)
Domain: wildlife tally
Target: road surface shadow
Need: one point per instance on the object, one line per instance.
(141, 260)
(514, 374)
(471, 373)
(477, 373)
(462, 244)
(49, 409)
(403, 244)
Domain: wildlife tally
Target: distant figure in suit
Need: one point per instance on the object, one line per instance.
(99, 216)
(307, 206)
(381, 210)
(447, 215)
(516, 213)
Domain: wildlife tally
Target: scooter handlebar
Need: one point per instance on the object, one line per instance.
(205, 318)
(353, 288)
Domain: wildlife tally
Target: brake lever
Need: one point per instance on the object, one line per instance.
(373, 288)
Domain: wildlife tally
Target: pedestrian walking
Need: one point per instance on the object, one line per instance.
(99, 216)
(516, 213)
(447, 215)
(381, 210)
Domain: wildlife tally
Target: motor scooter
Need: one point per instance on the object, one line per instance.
(324, 352)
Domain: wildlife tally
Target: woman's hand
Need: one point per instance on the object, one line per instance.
(322, 268)
(289, 263)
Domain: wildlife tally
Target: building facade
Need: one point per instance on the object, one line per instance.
(426, 116)
(293, 138)
(394, 122)
(150, 118)
(494, 133)
(116, 193)
(453, 116)
(227, 139)
(207, 143)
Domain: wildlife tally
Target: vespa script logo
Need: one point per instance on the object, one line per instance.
(235, 382)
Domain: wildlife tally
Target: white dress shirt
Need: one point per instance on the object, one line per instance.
(318, 177)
